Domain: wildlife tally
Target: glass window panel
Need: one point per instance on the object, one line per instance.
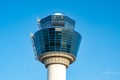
(57, 43)
(52, 44)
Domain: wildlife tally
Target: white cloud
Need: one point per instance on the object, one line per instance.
(112, 72)
(97, 79)
(107, 72)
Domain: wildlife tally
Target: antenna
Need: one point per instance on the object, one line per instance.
(31, 35)
(33, 44)
(38, 22)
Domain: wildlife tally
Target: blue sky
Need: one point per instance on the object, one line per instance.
(98, 21)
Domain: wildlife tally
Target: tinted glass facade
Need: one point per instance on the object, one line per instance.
(57, 39)
(57, 34)
(54, 21)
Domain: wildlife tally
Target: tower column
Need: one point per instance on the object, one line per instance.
(56, 44)
(56, 72)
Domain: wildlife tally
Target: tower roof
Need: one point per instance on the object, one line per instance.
(57, 14)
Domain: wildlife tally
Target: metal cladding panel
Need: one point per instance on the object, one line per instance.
(57, 39)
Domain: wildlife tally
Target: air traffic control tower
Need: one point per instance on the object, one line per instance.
(56, 44)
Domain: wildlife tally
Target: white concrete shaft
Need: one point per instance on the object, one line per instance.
(56, 72)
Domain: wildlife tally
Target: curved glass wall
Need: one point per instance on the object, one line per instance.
(57, 39)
